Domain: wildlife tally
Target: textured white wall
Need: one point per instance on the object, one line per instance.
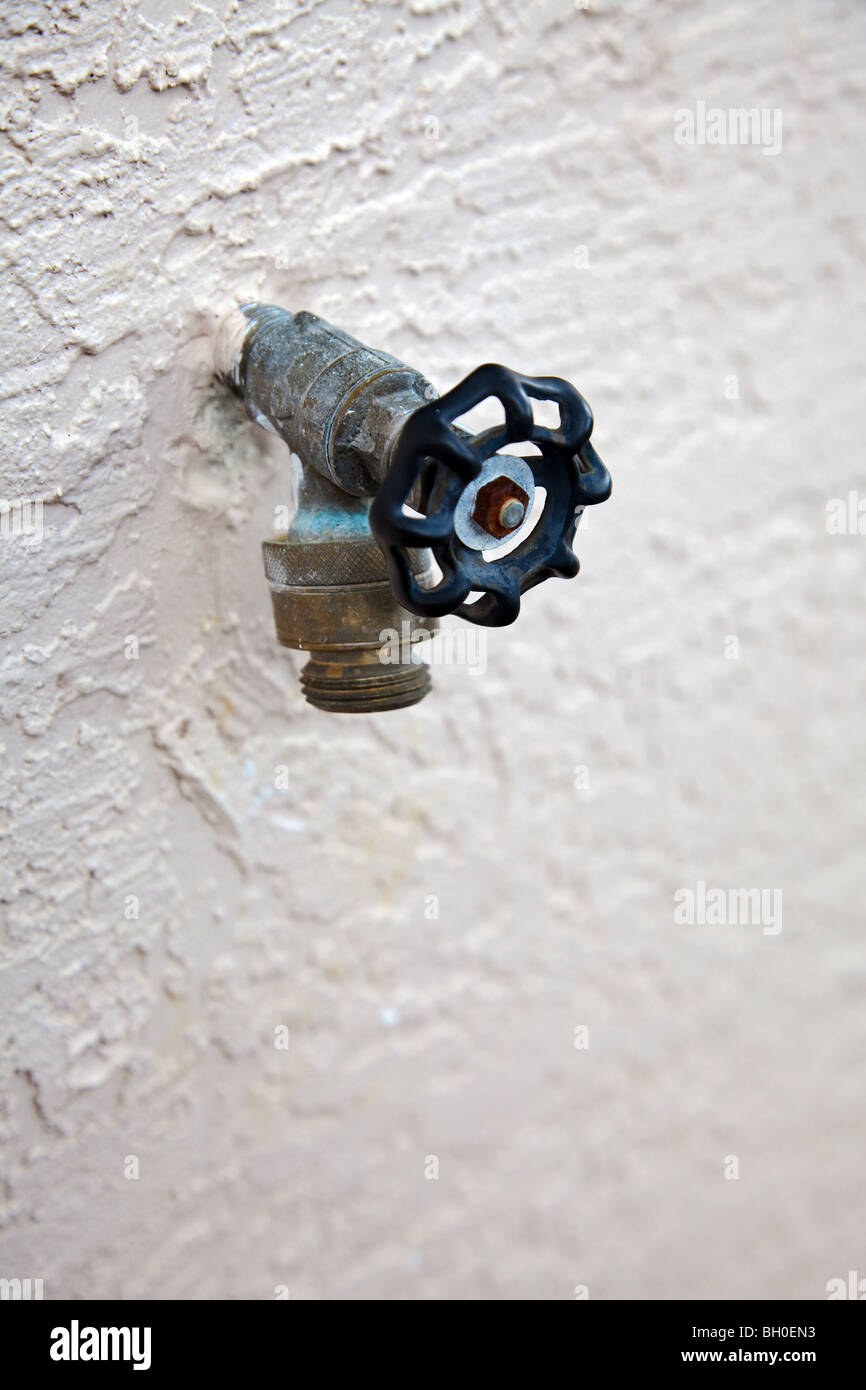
(426, 175)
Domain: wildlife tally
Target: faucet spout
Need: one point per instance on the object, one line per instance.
(331, 597)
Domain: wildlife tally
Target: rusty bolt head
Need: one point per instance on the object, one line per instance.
(511, 513)
(500, 506)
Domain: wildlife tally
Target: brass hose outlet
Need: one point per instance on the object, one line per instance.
(331, 597)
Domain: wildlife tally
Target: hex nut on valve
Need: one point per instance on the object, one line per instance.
(500, 506)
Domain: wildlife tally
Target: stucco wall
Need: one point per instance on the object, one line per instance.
(454, 182)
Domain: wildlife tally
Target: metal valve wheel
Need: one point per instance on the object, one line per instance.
(472, 501)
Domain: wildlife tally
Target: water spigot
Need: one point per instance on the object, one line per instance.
(453, 513)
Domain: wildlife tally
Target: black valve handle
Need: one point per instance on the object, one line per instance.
(433, 462)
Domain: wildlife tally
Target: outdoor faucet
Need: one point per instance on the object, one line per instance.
(453, 513)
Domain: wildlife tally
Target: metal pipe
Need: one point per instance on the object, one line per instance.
(337, 403)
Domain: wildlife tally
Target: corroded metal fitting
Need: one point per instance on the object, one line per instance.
(337, 403)
(332, 598)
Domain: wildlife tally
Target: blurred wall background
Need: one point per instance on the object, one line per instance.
(511, 1073)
